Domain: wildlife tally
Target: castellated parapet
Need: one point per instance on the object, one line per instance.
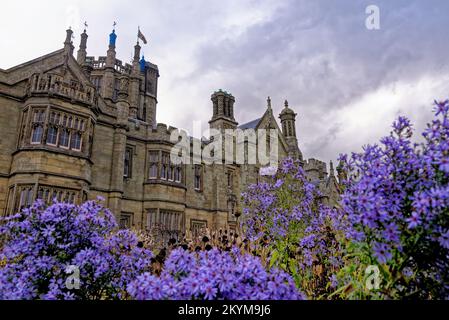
(315, 169)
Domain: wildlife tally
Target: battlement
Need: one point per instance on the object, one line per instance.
(161, 132)
(100, 63)
(315, 169)
(223, 105)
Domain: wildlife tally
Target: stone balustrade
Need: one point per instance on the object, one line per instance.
(100, 63)
(55, 84)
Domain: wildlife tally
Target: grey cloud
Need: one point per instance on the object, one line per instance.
(320, 55)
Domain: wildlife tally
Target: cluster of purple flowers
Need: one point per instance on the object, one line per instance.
(270, 207)
(214, 275)
(286, 212)
(45, 246)
(397, 200)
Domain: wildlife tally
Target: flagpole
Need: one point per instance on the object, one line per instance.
(138, 30)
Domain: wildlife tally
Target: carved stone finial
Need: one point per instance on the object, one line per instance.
(69, 35)
(269, 102)
(124, 82)
(286, 103)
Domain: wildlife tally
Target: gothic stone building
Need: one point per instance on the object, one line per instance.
(75, 129)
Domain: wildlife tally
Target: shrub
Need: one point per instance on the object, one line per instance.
(42, 242)
(213, 275)
(396, 201)
(284, 216)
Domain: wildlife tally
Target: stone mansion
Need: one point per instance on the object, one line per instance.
(78, 128)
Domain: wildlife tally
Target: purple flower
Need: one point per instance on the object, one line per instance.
(396, 198)
(215, 275)
(444, 239)
(392, 233)
(414, 220)
(44, 241)
(444, 164)
(278, 183)
(382, 252)
(333, 281)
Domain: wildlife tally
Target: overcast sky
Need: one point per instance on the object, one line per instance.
(346, 83)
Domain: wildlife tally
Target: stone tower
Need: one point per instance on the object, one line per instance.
(149, 91)
(223, 111)
(288, 117)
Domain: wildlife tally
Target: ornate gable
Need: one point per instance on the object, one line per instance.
(268, 121)
(55, 74)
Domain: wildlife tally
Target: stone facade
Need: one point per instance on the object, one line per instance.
(74, 129)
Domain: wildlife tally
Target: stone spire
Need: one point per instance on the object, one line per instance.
(288, 119)
(269, 103)
(331, 169)
(108, 77)
(110, 58)
(136, 52)
(134, 83)
(341, 172)
(82, 53)
(68, 44)
(136, 62)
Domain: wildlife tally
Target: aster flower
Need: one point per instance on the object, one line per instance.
(414, 220)
(382, 252)
(215, 275)
(444, 239)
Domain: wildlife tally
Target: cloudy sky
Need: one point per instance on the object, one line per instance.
(346, 83)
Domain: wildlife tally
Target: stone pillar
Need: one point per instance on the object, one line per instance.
(220, 104)
(82, 53)
(119, 147)
(231, 106)
(150, 104)
(108, 78)
(118, 151)
(134, 84)
(123, 106)
(68, 45)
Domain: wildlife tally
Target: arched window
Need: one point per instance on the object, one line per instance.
(127, 167)
(231, 211)
(178, 174)
(75, 141)
(171, 173)
(198, 183)
(52, 135)
(153, 171)
(25, 198)
(64, 138)
(165, 165)
(154, 159)
(52, 117)
(36, 136)
(290, 128)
